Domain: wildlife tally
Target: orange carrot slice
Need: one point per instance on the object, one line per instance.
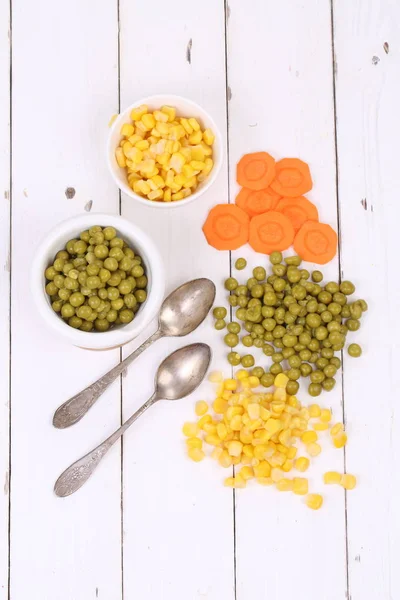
(226, 227)
(256, 202)
(298, 210)
(270, 231)
(316, 242)
(292, 178)
(255, 171)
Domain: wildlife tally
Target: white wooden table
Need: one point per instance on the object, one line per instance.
(312, 78)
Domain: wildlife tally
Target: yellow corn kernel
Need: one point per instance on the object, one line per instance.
(285, 437)
(212, 439)
(153, 186)
(176, 132)
(111, 121)
(314, 410)
(297, 432)
(313, 449)
(185, 193)
(197, 165)
(260, 437)
(158, 181)
(215, 377)
(176, 147)
(277, 474)
(248, 450)
(147, 167)
(177, 161)
(190, 182)
(229, 482)
(340, 440)
(304, 414)
(263, 469)
(187, 171)
(242, 374)
(169, 146)
(120, 157)
(148, 121)
(126, 146)
(293, 402)
(336, 429)
(196, 454)
(253, 411)
(287, 465)
(216, 453)
(187, 127)
(208, 137)
(234, 448)
(259, 451)
(137, 113)
(201, 408)
(167, 195)
(209, 165)
(177, 196)
(190, 429)
(302, 463)
(187, 155)
(239, 482)
(197, 153)
(225, 460)
(222, 431)
(281, 380)
(273, 425)
(331, 477)
(155, 195)
(194, 442)
(285, 485)
(194, 124)
(277, 460)
(292, 451)
(203, 421)
(308, 437)
(254, 381)
(160, 116)
(135, 155)
(246, 473)
(326, 415)
(348, 481)
(285, 420)
(142, 187)
(140, 129)
(127, 129)
(163, 158)
(169, 111)
(219, 406)
(195, 137)
(162, 128)
(314, 501)
(210, 428)
(300, 486)
(264, 413)
(245, 460)
(320, 426)
(230, 384)
(255, 424)
(142, 145)
(234, 410)
(265, 480)
(236, 423)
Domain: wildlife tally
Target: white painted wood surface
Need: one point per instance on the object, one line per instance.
(150, 524)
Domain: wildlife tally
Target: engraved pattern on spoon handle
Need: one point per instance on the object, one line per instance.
(79, 472)
(76, 407)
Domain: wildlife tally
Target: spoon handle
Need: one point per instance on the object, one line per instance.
(79, 472)
(76, 407)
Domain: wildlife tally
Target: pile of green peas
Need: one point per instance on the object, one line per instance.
(292, 317)
(96, 281)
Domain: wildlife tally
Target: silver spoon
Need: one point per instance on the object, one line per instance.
(177, 376)
(181, 313)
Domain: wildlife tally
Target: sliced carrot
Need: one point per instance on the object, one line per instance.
(270, 231)
(256, 202)
(255, 171)
(292, 178)
(316, 242)
(226, 227)
(298, 210)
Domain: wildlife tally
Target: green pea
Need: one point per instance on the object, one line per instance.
(289, 340)
(240, 264)
(102, 293)
(233, 300)
(275, 258)
(140, 296)
(51, 288)
(293, 274)
(86, 326)
(278, 343)
(279, 270)
(327, 353)
(270, 298)
(321, 332)
(317, 276)
(80, 247)
(247, 341)
(328, 384)
(279, 315)
(231, 339)
(279, 332)
(77, 299)
(75, 322)
(259, 273)
(321, 363)
(305, 369)
(129, 301)
(354, 350)
(269, 324)
(231, 284)
(57, 305)
(258, 343)
(241, 314)
(111, 264)
(67, 310)
(299, 292)
(219, 312)
(314, 345)
(267, 380)
(294, 309)
(348, 288)
(233, 359)
(275, 368)
(313, 320)
(242, 290)
(109, 233)
(312, 306)
(289, 318)
(355, 311)
(332, 287)
(63, 254)
(288, 352)
(50, 273)
(292, 387)
(220, 324)
(293, 260)
(234, 327)
(294, 361)
(317, 376)
(126, 265)
(247, 361)
(294, 374)
(248, 326)
(112, 316)
(257, 291)
(279, 284)
(326, 316)
(250, 282)
(242, 301)
(333, 326)
(277, 357)
(325, 297)
(305, 338)
(70, 246)
(137, 271)
(314, 389)
(314, 357)
(268, 337)
(257, 372)
(101, 325)
(305, 274)
(305, 354)
(353, 324)
(268, 349)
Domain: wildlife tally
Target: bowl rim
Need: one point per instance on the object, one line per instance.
(164, 98)
(154, 264)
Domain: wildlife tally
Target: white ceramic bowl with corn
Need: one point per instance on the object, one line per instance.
(164, 151)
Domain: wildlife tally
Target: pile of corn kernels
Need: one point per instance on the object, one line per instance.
(262, 432)
(165, 156)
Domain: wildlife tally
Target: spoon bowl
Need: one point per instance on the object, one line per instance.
(186, 307)
(182, 372)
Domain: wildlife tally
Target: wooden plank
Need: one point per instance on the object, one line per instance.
(5, 289)
(282, 101)
(368, 96)
(64, 92)
(178, 522)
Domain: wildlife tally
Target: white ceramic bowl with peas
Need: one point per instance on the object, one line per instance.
(195, 172)
(150, 300)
